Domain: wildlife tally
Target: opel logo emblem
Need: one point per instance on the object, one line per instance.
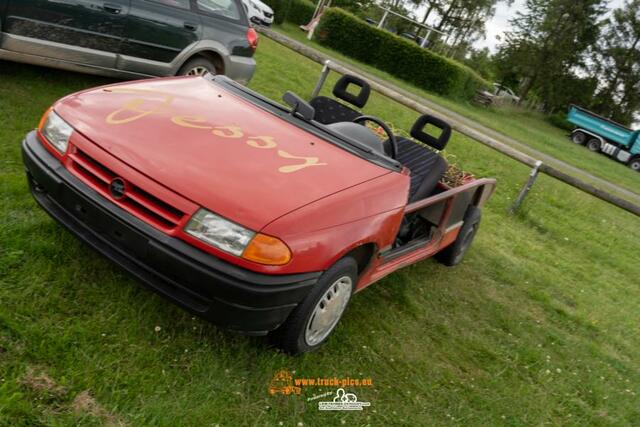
(116, 188)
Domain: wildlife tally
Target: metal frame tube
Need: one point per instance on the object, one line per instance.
(323, 77)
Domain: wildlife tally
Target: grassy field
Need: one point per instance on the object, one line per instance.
(526, 126)
(539, 325)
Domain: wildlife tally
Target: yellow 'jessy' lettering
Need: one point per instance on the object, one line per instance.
(133, 110)
(135, 105)
(189, 121)
(308, 161)
(262, 142)
(228, 131)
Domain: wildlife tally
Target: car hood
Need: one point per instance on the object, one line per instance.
(214, 148)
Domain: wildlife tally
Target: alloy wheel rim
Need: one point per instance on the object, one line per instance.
(328, 311)
(197, 71)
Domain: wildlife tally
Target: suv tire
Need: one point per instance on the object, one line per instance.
(197, 67)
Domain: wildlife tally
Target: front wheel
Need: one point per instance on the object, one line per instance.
(635, 164)
(313, 320)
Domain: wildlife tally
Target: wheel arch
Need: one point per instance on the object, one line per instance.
(210, 53)
(363, 254)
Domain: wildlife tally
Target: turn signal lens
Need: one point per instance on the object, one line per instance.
(43, 119)
(267, 250)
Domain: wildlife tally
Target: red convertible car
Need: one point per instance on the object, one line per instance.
(261, 218)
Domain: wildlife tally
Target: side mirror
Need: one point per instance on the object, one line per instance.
(299, 106)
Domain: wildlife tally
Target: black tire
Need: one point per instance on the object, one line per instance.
(635, 164)
(454, 253)
(197, 66)
(593, 145)
(291, 336)
(579, 138)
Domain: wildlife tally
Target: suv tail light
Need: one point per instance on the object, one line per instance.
(252, 38)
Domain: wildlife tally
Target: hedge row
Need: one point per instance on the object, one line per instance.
(399, 57)
(559, 120)
(298, 12)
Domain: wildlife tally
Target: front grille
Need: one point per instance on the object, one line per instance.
(136, 200)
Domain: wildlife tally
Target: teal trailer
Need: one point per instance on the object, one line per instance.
(600, 134)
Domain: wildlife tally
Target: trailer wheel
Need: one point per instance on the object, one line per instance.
(310, 324)
(454, 253)
(593, 145)
(635, 164)
(579, 138)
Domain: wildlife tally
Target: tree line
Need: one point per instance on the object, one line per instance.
(556, 52)
(560, 52)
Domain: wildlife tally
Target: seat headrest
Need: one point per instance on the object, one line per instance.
(418, 131)
(340, 90)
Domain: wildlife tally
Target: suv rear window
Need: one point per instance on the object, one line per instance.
(226, 8)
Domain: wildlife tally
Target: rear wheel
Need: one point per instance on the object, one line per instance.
(197, 67)
(313, 320)
(455, 252)
(593, 145)
(635, 164)
(579, 138)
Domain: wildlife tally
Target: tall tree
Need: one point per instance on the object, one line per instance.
(550, 38)
(616, 62)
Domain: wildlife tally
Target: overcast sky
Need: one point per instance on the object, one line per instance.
(500, 22)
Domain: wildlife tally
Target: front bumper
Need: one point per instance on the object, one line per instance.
(262, 20)
(220, 292)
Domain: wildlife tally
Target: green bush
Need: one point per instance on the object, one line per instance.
(298, 12)
(559, 120)
(402, 58)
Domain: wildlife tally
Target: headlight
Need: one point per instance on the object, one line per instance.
(237, 240)
(219, 232)
(56, 131)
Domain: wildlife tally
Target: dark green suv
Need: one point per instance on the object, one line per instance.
(130, 38)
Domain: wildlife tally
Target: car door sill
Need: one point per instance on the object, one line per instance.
(395, 253)
(69, 65)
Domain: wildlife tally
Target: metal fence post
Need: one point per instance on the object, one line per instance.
(323, 77)
(527, 186)
(384, 18)
(425, 40)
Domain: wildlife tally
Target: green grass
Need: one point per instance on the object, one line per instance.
(539, 325)
(525, 126)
